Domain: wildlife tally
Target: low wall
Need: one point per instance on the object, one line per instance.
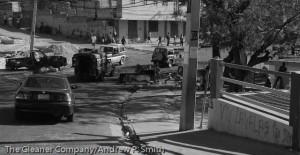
(238, 120)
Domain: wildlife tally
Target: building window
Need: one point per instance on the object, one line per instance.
(153, 26)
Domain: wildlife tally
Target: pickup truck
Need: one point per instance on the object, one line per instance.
(116, 53)
(35, 60)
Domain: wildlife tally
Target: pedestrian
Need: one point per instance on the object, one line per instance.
(174, 36)
(181, 40)
(94, 39)
(102, 39)
(9, 20)
(123, 41)
(159, 41)
(293, 49)
(279, 79)
(5, 19)
(112, 40)
(168, 39)
(149, 37)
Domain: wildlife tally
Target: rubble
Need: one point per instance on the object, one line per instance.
(64, 49)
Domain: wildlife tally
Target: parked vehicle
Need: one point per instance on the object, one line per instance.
(45, 93)
(36, 59)
(115, 52)
(165, 56)
(92, 64)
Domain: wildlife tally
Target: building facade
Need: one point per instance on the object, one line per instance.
(159, 17)
(132, 19)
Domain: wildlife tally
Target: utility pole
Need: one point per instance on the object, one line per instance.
(33, 25)
(188, 100)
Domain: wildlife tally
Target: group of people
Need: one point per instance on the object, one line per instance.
(103, 39)
(278, 79)
(168, 37)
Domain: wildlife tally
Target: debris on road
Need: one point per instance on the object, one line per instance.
(66, 50)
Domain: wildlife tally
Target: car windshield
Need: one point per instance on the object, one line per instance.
(106, 49)
(46, 82)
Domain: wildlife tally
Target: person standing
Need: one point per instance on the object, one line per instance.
(5, 19)
(149, 37)
(181, 40)
(168, 39)
(279, 79)
(94, 39)
(159, 41)
(123, 41)
(174, 36)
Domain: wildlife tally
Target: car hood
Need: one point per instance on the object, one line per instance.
(45, 90)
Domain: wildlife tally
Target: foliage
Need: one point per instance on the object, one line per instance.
(250, 24)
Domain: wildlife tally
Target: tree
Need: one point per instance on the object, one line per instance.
(249, 26)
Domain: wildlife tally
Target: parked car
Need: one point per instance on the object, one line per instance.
(92, 64)
(115, 52)
(165, 56)
(45, 93)
(36, 59)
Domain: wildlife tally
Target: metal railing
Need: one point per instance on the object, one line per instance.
(292, 115)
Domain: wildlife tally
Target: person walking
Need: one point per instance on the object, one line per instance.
(94, 39)
(149, 37)
(181, 40)
(174, 36)
(168, 39)
(159, 41)
(123, 41)
(279, 79)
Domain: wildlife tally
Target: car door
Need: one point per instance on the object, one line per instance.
(115, 57)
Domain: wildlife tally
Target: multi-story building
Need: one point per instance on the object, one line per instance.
(132, 19)
(159, 17)
(7, 8)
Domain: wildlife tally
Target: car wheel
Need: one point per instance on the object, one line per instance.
(101, 76)
(170, 63)
(112, 73)
(70, 118)
(122, 61)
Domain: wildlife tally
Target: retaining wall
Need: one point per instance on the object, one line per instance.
(229, 117)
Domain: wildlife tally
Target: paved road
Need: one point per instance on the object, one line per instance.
(96, 109)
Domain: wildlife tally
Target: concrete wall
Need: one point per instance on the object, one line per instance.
(235, 119)
(123, 29)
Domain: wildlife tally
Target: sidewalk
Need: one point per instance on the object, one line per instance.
(155, 115)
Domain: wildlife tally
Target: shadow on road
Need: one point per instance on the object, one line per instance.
(7, 118)
(214, 142)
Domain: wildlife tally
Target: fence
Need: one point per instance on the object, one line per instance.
(292, 116)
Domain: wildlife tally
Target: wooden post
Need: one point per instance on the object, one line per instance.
(295, 109)
(33, 25)
(216, 73)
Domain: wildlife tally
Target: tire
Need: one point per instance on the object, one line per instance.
(122, 61)
(70, 118)
(101, 77)
(112, 73)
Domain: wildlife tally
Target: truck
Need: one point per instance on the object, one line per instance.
(167, 56)
(35, 60)
(92, 64)
(115, 52)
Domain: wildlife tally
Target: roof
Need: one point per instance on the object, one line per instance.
(170, 47)
(152, 12)
(47, 75)
(111, 45)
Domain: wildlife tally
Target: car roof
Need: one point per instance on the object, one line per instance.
(48, 75)
(168, 47)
